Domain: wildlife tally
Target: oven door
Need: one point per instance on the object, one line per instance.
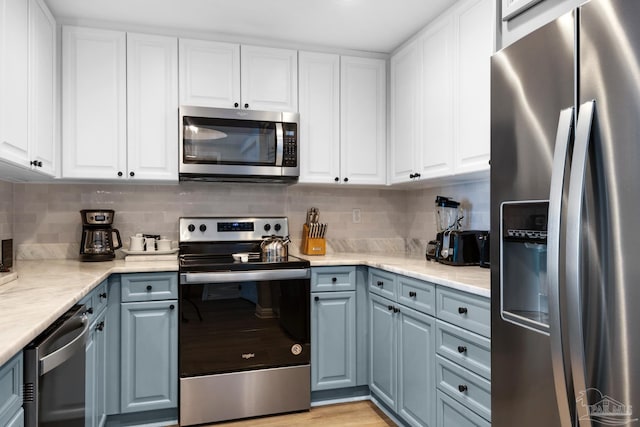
(242, 321)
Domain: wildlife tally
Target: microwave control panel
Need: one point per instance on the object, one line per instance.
(290, 152)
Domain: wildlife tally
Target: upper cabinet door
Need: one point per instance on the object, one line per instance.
(93, 103)
(209, 74)
(14, 33)
(152, 107)
(269, 79)
(363, 120)
(43, 148)
(319, 117)
(474, 29)
(405, 104)
(435, 153)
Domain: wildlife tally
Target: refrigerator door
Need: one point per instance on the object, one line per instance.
(532, 82)
(604, 245)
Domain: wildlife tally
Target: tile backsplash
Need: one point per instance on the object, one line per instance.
(390, 219)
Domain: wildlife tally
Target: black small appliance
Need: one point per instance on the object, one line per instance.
(464, 247)
(99, 239)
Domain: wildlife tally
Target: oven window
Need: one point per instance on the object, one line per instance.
(243, 326)
(228, 142)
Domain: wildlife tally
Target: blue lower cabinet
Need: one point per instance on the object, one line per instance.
(382, 353)
(11, 374)
(149, 356)
(333, 340)
(453, 414)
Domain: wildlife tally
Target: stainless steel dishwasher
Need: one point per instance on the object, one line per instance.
(54, 373)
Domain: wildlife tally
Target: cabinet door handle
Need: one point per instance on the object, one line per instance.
(412, 175)
(316, 298)
(334, 279)
(119, 173)
(462, 349)
(390, 307)
(103, 295)
(462, 310)
(171, 307)
(132, 173)
(416, 175)
(336, 179)
(236, 105)
(412, 294)
(346, 179)
(100, 326)
(89, 310)
(246, 105)
(462, 388)
(396, 310)
(380, 283)
(149, 287)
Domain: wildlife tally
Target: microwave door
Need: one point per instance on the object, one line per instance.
(279, 144)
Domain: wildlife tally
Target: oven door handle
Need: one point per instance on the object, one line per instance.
(244, 276)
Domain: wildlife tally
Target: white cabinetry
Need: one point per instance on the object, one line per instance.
(211, 76)
(445, 131)
(107, 78)
(27, 88)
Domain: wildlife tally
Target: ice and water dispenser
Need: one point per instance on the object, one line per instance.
(523, 263)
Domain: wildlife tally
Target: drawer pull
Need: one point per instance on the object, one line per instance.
(380, 283)
(412, 294)
(316, 298)
(334, 279)
(103, 295)
(390, 307)
(171, 307)
(149, 287)
(462, 310)
(462, 388)
(89, 310)
(462, 349)
(100, 326)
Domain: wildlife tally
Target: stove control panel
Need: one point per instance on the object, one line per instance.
(217, 229)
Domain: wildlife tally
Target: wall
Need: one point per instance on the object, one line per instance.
(6, 210)
(47, 222)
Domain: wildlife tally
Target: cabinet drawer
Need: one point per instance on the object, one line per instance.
(417, 294)
(464, 386)
(325, 279)
(465, 310)
(382, 283)
(464, 348)
(100, 297)
(452, 414)
(10, 389)
(149, 286)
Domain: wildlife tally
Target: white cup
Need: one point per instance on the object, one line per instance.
(136, 243)
(164, 245)
(150, 244)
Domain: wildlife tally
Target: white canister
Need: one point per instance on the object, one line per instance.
(136, 243)
(164, 245)
(150, 244)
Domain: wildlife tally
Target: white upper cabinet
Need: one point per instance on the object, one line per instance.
(209, 74)
(363, 120)
(94, 131)
(319, 133)
(119, 105)
(269, 78)
(152, 107)
(475, 33)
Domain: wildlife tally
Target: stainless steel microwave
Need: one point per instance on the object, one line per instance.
(219, 144)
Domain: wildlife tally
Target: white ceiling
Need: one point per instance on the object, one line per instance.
(370, 25)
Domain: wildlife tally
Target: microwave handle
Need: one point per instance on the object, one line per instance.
(279, 144)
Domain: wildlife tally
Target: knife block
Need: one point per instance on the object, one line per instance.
(315, 246)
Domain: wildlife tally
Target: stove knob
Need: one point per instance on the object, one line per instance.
(203, 228)
(191, 228)
(267, 227)
(278, 227)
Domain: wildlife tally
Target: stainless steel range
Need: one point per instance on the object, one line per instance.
(244, 337)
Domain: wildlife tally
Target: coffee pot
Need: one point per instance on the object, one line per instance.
(99, 240)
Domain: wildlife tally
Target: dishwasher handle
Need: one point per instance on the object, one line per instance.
(50, 361)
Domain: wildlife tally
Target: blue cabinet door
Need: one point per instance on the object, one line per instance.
(333, 340)
(383, 350)
(416, 367)
(149, 356)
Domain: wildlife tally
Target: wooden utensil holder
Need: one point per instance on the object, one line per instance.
(312, 246)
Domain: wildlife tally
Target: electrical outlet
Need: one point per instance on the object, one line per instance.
(355, 216)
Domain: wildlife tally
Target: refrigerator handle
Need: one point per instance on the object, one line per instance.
(558, 358)
(574, 241)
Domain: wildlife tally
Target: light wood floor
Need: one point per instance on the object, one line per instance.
(357, 414)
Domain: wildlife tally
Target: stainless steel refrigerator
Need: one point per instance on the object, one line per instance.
(565, 222)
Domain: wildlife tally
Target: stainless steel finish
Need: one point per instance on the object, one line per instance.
(558, 357)
(214, 398)
(90, 217)
(275, 249)
(52, 360)
(212, 234)
(206, 172)
(240, 276)
(279, 144)
(531, 82)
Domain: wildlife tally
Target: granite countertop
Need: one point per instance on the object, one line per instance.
(45, 289)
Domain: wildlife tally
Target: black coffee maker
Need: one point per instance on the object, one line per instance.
(99, 239)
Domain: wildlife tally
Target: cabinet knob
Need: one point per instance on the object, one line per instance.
(100, 326)
(412, 294)
(390, 307)
(149, 287)
(236, 105)
(462, 388)
(132, 173)
(246, 105)
(316, 298)
(462, 310)
(336, 179)
(346, 179)
(103, 295)
(380, 283)
(462, 349)
(334, 279)
(89, 310)
(416, 175)
(33, 163)
(119, 173)
(412, 175)
(39, 164)
(171, 307)
(396, 310)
